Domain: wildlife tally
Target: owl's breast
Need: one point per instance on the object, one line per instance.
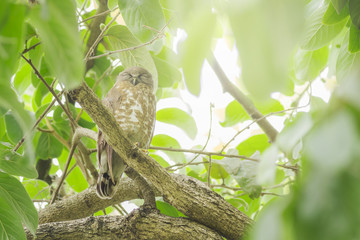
(135, 113)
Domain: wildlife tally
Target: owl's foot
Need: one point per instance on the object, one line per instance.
(137, 144)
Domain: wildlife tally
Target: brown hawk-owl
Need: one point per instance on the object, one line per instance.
(133, 104)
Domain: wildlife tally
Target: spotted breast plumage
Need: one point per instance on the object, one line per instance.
(133, 104)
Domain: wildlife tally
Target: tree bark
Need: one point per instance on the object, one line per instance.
(197, 202)
(140, 224)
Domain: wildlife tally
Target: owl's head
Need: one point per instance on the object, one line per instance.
(136, 75)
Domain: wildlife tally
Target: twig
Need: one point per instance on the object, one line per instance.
(80, 132)
(99, 38)
(50, 89)
(30, 48)
(99, 14)
(207, 140)
(158, 36)
(256, 120)
(37, 122)
(215, 154)
(247, 104)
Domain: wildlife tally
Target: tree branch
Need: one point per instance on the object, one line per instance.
(196, 201)
(247, 104)
(140, 224)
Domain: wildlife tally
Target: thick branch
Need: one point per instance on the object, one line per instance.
(207, 207)
(140, 224)
(247, 104)
(86, 203)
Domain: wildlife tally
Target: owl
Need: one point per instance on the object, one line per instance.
(133, 104)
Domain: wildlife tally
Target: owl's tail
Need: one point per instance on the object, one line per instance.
(105, 187)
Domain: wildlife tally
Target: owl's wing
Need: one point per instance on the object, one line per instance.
(103, 146)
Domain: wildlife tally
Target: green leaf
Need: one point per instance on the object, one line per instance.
(140, 13)
(235, 113)
(178, 118)
(331, 16)
(120, 38)
(317, 34)
(14, 194)
(309, 64)
(354, 9)
(16, 164)
(37, 189)
(160, 160)
(10, 224)
(14, 131)
(196, 48)
(162, 140)
(12, 18)
(339, 4)
(265, 43)
(347, 63)
(48, 147)
(354, 39)
(56, 23)
(167, 209)
(168, 74)
(243, 171)
(252, 144)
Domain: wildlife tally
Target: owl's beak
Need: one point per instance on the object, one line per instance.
(135, 81)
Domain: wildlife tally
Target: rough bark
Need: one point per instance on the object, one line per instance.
(140, 224)
(198, 203)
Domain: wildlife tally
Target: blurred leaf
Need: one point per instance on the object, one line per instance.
(266, 44)
(48, 146)
(12, 18)
(10, 224)
(178, 118)
(16, 164)
(120, 38)
(331, 16)
(138, 14)
(14, 194)
(168, 74)
(162, 140)
(267, 166)
(196, 48)
(41, 91)
(354, 39)
(56, 23)
(294, 132)
(325, 150)
(317, 35)
(339, 5)
(14, 131)
(235, 113)
(252, 144)
(167, 209)
(22, 79)
(354, 9)
(309, 64)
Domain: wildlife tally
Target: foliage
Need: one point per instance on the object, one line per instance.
(286, 48)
